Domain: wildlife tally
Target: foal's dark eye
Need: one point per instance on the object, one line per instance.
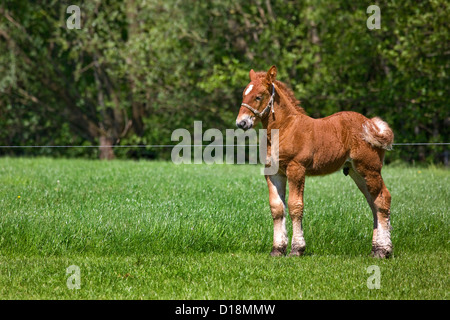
(258, 98)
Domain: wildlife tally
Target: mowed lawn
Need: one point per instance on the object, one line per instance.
(155, 230)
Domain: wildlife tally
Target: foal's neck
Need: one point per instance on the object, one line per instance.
(283, 108)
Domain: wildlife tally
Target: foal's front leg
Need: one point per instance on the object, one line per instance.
(277, 192)
(296, 178)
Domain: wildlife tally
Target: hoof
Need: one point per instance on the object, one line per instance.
(297, 251)
(381, 253)
(278, 252)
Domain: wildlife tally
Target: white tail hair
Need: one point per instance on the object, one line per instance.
(378, 133)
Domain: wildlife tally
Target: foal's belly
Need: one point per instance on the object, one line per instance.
(326, 163)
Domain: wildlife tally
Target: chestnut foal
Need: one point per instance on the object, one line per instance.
(309, 147)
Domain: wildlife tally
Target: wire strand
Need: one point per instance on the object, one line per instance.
(139, 146)
(203, 145)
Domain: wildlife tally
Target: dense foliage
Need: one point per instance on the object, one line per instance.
(137, 70)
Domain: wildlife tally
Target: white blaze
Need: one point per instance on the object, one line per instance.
(250, 87)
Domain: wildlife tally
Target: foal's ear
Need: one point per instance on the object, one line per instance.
(271, 74)
(252, 75)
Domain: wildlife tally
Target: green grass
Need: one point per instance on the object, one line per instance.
(154, 230)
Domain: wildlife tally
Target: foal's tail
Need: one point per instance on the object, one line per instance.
(378, 133)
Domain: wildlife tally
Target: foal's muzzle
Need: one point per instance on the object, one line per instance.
(245, 124)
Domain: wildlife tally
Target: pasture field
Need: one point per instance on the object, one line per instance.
(155, 230)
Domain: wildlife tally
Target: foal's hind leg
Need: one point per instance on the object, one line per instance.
(371, 184)
(361, 183)
(382, 248)
(277, 192)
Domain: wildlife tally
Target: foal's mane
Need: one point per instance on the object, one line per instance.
(289, 94)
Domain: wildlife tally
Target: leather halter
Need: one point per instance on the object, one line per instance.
(269, 105)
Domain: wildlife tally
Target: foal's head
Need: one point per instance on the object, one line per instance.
(257, 98)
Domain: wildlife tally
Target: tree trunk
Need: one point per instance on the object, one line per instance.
(136, 107)
(106, 148)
